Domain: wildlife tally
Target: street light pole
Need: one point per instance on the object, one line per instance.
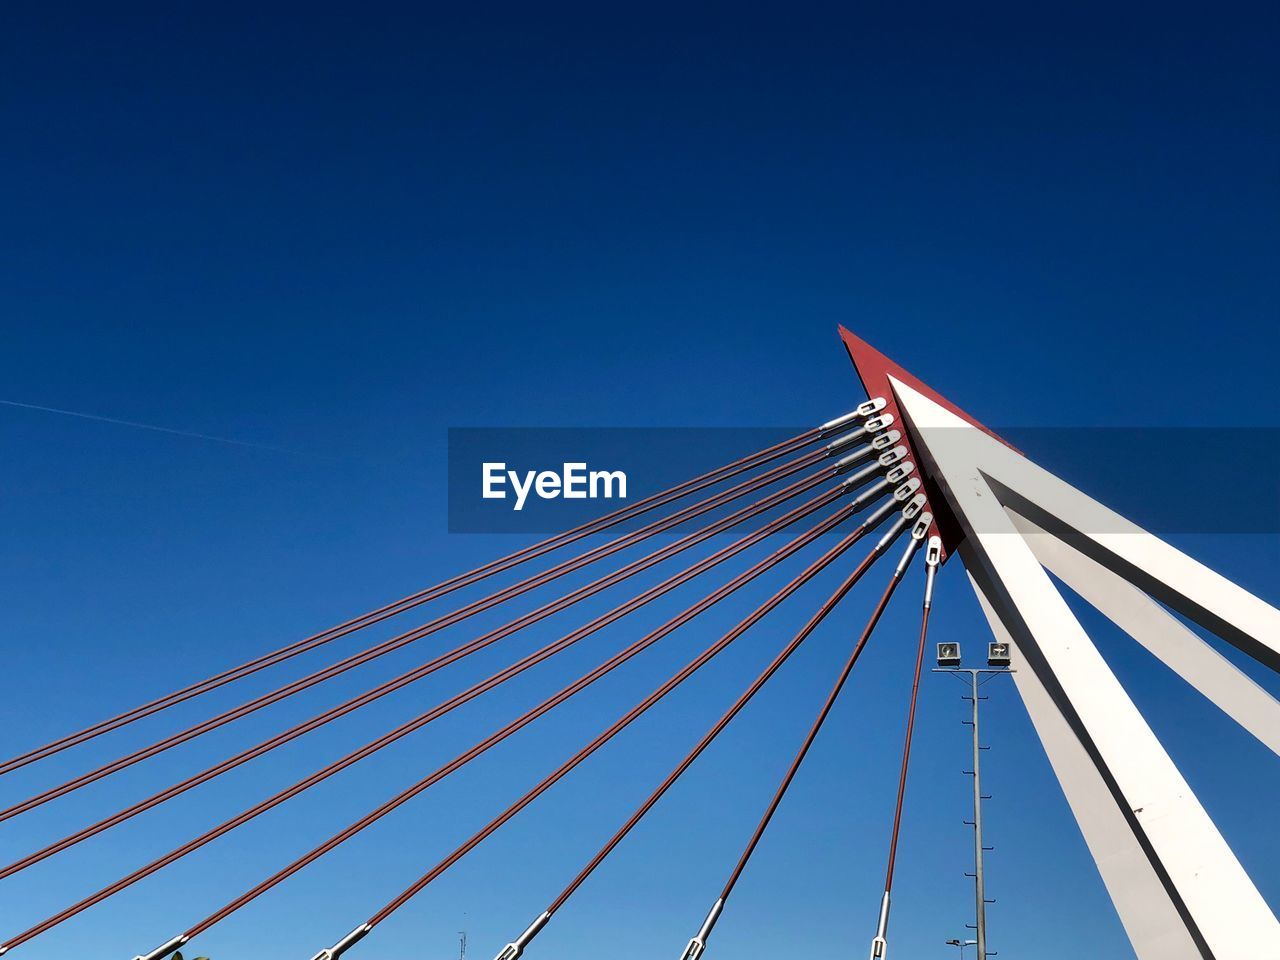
(979, 882)
(949, 661)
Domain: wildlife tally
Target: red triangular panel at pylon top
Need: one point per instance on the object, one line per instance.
(874, 369)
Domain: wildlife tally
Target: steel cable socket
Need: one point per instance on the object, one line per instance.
(343, 945)
(869, 427)
(865, 409)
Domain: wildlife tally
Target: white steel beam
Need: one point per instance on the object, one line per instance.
(1150, 920)
(1217, 906)
(1164, 635)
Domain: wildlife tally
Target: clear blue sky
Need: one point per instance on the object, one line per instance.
(341, 231)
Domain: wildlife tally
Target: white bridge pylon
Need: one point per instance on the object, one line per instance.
(1180, 891)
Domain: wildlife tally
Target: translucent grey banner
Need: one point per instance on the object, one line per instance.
(542, 480)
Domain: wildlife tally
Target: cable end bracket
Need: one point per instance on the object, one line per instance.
(165, 949)
(880, 945)
(345, 944)
(698, 944)
(515, 948)
(932, 559)
(866, 409)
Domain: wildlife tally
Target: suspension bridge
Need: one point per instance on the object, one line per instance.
(907, 478)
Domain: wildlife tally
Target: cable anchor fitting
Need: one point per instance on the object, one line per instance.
(880, 945)
(872, 426)
(165, 949)
(890, 457)
(918, 531)
(862, 411)
(857, 479)
(876, 424)
(903, 492)
(932, 559)
(909, 512)
(698, 944)
(345, 944)
(884, 441)
(901, 471)
(516, 947)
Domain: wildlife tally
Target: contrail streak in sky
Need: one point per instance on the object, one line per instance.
(147, 426)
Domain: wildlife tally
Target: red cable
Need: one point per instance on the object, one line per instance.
(737, 707)
(799, 758)
(121, 884)
(386, 808)
(906, 751)
(457, 616)
(803, 577)
(405, 679)
(413, 600)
